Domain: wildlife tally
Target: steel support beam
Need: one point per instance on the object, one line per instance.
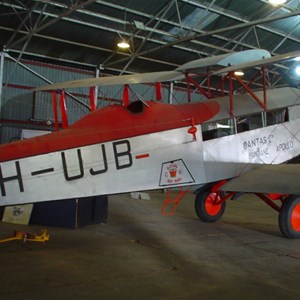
(72, 9)
(2, 57)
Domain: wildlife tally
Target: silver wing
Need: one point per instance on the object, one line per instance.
(281, 179)
(215, 62)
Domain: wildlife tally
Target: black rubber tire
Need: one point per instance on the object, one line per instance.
(202, 211)
(289, 217)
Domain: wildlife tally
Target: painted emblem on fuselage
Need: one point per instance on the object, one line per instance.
(175, 173)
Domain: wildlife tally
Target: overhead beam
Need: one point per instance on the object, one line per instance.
(209, 8)
(213, 32)
(222, 12)
(2, 56)
(80, 45)
(150, 29)
(59, 17)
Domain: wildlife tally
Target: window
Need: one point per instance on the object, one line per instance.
(245, 123)
(226, 127)
(217, 129)
(277, 116)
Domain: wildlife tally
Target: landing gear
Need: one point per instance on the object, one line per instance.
(209, 207)
(289, 217)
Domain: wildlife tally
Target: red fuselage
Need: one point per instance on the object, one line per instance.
(112, 123)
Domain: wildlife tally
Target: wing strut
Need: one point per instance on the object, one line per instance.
(126, 95)
(158, 91)
(92, 98)
(205, 93)
(63, 108)
(55, 112)
(247, 88)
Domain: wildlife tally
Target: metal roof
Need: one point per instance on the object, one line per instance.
(163, 33)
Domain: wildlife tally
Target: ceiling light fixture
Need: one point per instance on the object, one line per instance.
(277, 2)
(239, 73)
(123, 44)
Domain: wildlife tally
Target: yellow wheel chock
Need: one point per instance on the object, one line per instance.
(27, 236)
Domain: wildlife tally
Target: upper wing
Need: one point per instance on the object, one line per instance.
(177, 74)
(261, 62)
(281, 179)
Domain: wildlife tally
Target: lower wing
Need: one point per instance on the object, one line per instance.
(281, 179)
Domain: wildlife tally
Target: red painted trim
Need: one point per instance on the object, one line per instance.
(18, 86)
(113, 122)
(146, 155)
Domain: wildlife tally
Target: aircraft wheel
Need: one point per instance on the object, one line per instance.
(289, 217)
(208, 207)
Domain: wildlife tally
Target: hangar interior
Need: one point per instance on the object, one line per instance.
(55, 41)
(138, 253)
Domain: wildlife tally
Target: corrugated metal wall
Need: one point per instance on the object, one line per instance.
(22, 108)
(31, 106)
(10, 134)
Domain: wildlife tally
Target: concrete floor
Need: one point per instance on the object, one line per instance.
(140, 254)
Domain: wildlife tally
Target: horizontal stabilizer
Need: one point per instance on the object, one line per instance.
(281, 179)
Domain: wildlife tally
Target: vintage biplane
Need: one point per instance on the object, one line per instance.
(237, 141)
